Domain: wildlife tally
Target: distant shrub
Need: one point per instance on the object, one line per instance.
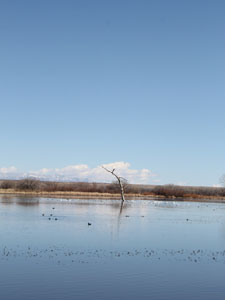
(188, 191)
(7, 184)
(49, 186)
(28, 184)
(168, 190)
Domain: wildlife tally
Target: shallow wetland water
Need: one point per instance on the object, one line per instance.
(85, 249)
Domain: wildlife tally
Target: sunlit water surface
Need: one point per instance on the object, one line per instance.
(152, 250)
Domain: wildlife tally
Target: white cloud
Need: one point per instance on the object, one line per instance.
(83, 173)
(8, 170)
(217, 185)
(181, 183)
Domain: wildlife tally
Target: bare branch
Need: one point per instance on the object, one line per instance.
(123, 178)
(108, 170)
(222, 180)
(119, 181)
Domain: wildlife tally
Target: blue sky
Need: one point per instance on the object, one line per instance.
(96, 82)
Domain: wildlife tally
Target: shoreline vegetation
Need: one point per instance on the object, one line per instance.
(110, 190)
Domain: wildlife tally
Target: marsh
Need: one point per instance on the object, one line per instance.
(86, 249)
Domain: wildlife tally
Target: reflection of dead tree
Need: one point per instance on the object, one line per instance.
(120, 180)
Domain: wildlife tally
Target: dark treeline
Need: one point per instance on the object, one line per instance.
(112, 188)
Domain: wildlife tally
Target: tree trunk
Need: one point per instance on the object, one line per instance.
(120, 184)
(121, 190)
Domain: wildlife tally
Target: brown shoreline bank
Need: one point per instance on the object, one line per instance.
(108, 196)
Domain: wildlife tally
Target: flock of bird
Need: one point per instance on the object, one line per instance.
(60, 254)
(51, 217)
(64, 255)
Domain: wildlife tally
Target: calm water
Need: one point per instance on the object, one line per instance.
(153, 250)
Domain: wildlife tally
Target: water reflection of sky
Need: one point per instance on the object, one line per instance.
(153, 224)
(168, 236)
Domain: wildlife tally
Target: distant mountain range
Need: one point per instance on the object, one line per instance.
(59, 178)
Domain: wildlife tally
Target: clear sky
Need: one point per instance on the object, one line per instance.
(96, 82)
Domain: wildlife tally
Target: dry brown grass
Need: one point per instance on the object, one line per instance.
(68, 194)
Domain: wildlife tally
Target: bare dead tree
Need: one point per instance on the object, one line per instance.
(114, 186)
(222, 180)
(120, 181)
